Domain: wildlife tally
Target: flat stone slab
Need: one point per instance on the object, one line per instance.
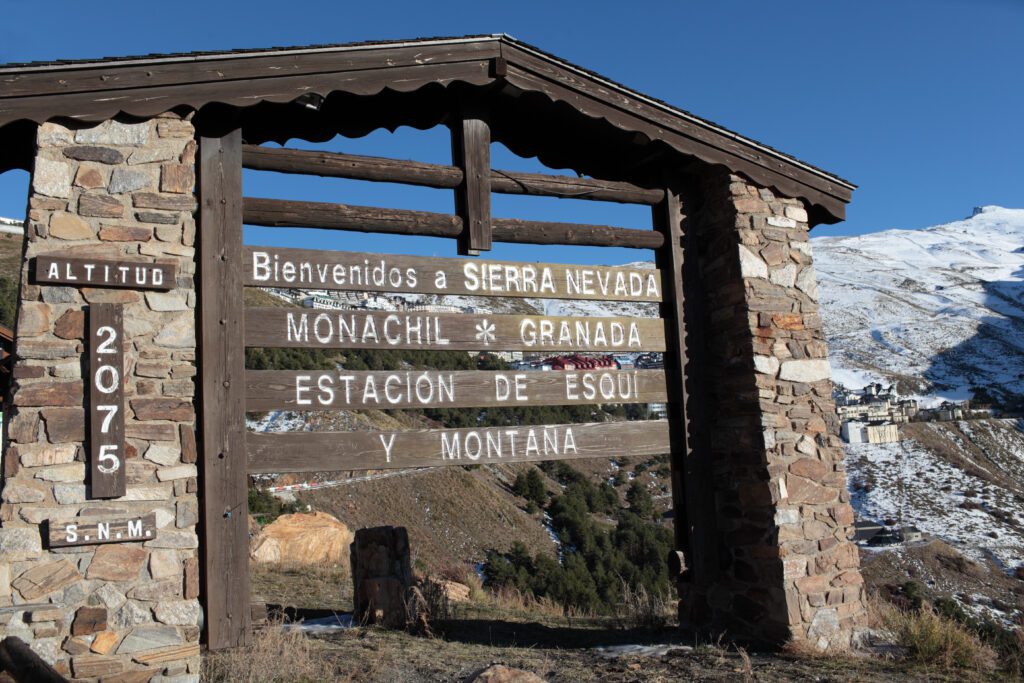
(144, 638)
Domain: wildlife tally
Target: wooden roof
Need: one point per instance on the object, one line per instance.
(409, 81)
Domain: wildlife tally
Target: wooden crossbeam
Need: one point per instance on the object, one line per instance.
(349, 271)
(424, 330)
(281, 213)
(346, 390)
(334, 451)
(380, 169)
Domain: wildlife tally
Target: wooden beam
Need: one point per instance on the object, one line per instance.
(284, 327)
(541, 232)
(568, 187)
(365, 272)
(471, 153)
(355, 167)
(669, 259)
(332, 451)
(379, 169)
(222, 385)
(692, 491)
(22, 664)
(344, 390)
(281, 213)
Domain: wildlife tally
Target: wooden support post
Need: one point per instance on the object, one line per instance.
(222, 368)
(471, 152)
(692, 492)
(668, 217)
(22, 664)
(381, 576)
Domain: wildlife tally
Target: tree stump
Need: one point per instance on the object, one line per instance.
(381, 576)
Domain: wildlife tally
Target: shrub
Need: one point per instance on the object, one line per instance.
(932, 639)
(530, 485)
(287, 359)
(640, 501)
(266, 507)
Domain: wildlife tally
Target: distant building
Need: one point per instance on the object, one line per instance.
(435, 308)
(624, 362)
(873, 403)
(581, 362)
(864, 530)
(872, 414)
(957, 410)
(860, 432)
(650, 361)
(658, 410)
(513, 358)
(324, 302)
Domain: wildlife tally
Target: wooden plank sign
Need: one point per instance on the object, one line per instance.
(284, 327)
(106, 400)
(90, 531)
(297, 390)
(331, 451)
(57, 269)
(362, 272)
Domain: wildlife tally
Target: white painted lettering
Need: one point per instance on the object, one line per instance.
(387, 445)
(135, 528)
(301, 388)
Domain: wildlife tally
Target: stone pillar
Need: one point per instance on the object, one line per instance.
(114, 190)
(788, 570)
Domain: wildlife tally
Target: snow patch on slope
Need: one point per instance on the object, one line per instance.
(939, 310)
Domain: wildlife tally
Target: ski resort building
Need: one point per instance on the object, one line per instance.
(860, 432)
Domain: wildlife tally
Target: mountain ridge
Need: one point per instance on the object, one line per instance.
(938, 311)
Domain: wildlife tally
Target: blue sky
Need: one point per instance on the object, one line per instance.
(919, 102)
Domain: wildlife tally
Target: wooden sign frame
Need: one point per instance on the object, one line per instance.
(106, 400)
(231, 452)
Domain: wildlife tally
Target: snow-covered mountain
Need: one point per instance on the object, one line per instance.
(939, 311)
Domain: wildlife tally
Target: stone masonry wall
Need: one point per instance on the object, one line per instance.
(782, 507)
(106, 612)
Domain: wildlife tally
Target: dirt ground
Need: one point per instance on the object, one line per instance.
(559, 649)
(570, 653)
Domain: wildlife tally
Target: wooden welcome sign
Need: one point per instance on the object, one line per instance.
(423, 329)
(472, 277)
(305, 451)
(298, 390)
(307, 328)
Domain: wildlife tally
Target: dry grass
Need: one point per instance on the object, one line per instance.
(929, 639)
(276, 655)
(303, 586)
(642, 609)
(511, 599)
